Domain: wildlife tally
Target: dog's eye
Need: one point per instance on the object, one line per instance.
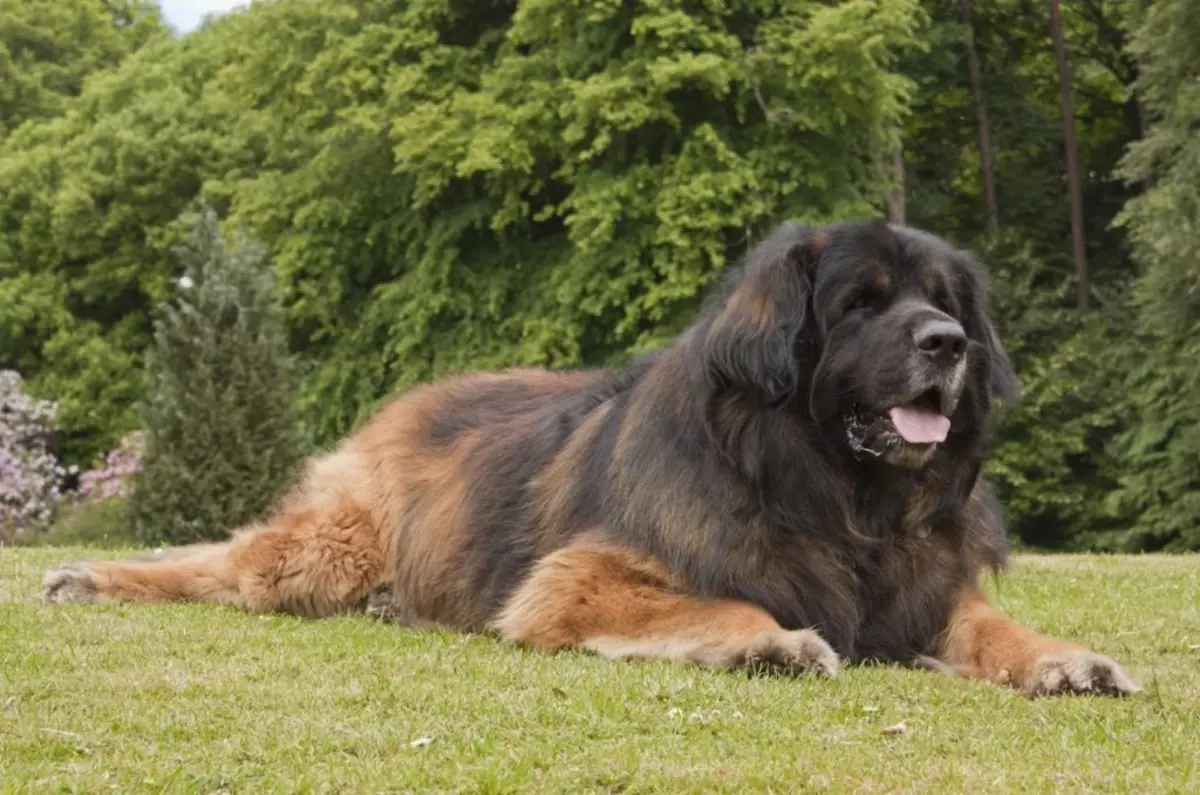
(863, 299)
(941, 299)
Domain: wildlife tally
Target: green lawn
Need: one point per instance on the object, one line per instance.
(206, 699)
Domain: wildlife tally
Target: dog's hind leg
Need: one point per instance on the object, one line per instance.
(620, 603)
(312, 561)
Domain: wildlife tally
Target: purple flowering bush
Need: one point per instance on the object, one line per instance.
(114, 477)
(31, 479)
(95, 515)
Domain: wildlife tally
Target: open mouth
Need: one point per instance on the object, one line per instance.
(906, 434)
(921, 421)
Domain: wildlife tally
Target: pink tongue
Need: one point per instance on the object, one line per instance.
(918, 426)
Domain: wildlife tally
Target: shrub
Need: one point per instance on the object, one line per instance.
(1050, 460)
(87, 523)
(30, 476)
(222, 437)
(112, 479)
(96, 513)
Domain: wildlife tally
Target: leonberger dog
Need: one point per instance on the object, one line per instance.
(792, 483)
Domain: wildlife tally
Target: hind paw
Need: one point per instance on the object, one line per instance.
(379, 604)
(72, 583)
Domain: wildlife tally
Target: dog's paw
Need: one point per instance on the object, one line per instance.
(795, 652)
(72, 583)
(379, 604)
(1079, 671)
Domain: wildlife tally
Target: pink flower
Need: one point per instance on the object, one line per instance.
(30, 476)
(113, 477)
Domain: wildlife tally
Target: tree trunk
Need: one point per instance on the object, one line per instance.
(987, 164)
(1074, 185)
(896, 204)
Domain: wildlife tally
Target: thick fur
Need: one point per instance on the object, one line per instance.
(702, 504)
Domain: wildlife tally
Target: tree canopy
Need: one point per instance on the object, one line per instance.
(445, 186)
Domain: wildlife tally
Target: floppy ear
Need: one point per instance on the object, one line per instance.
(1001, 377)
(749, 343)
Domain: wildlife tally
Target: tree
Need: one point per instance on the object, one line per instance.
(1071, 147)
(56, 323)
(1050, 461)
(979, 100)
(222, 438)
(443, 187)
(447, 186)
(90, 201)
(895, 199)
(49, 48)
(1160, 485)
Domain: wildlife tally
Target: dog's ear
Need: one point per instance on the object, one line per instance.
(748, 344)
(1001, 377)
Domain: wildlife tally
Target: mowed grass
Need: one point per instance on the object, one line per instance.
(181, 698)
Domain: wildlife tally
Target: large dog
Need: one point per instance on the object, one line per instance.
(792, 483)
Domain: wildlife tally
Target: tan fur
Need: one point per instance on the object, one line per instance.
(313, 562)
(387, 508)
(619, 603)
(982, 642)
(754, 307)
(356, 520)
(684, 507)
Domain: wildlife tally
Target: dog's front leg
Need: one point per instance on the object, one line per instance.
(984, 643)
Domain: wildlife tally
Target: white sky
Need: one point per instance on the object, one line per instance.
(185, 15)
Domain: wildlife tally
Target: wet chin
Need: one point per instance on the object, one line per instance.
(911, 456)
(875, 438)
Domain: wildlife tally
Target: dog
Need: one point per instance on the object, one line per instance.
(793, 483)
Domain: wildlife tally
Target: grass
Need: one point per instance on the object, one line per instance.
(184, 698)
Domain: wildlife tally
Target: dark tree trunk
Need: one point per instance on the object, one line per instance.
(896, 203)
(1135, 119)
(1074, 184)
(978, 98)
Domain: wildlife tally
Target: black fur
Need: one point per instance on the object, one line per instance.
(726, 456)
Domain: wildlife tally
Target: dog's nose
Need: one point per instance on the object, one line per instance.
(943, 341)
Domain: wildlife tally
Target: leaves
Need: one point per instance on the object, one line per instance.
(444, 186)
(222, 438)
(1160, 443)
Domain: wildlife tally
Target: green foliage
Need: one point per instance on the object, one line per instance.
(1050, 461)
(446, 186)
(1161, 443)
(1021, 84)
(222, 437)
(66, 281)
(48, 49)
(99, 524)
(554, 184)
(1159, 487)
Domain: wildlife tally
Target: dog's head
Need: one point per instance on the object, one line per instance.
(881, 333)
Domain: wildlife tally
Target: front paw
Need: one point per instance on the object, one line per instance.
(796, 652)
(72, 583)
(1079, 671)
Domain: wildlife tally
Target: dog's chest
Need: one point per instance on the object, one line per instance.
(905, 595)
(888, 603)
